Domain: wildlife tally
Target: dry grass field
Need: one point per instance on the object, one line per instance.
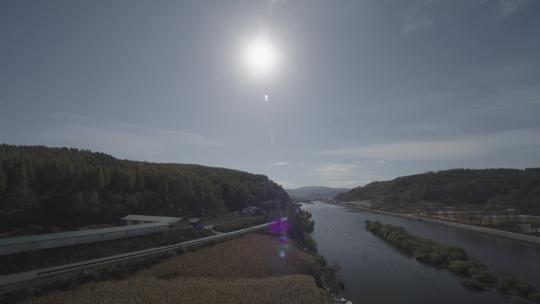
(285, 289)
(252, 256)
(245, 270)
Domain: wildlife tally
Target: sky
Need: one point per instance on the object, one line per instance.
(361, 90)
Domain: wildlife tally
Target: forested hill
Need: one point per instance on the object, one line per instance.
(70, 188)
(489, 188)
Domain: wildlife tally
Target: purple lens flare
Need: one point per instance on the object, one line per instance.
(280, 228)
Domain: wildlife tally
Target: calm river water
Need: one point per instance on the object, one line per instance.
(374, 272)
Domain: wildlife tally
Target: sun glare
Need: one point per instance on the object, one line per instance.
(260, 56)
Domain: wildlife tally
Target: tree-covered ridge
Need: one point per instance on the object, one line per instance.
(70, 187)
(490, 188)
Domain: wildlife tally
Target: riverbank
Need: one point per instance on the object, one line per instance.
(533, 240)
(301, 229)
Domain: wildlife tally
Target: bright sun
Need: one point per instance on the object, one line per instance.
(260, 56)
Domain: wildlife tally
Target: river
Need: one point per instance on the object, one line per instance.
(375, 272)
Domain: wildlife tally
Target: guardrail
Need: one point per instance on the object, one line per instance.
(9, 282)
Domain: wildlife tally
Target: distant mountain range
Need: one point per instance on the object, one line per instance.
(315, 192)
(485, 188)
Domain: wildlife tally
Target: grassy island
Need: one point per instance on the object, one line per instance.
(474, 274)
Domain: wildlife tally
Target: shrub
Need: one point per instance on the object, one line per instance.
(305, 221)
(471, 283)
(483, 276)
(460, 267)
(513, 286)
(519, 300)
(320, 259)
(373, 226)
(310, 243)
(535, 296)
(455, 253)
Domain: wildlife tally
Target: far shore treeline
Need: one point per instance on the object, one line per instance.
(71, 188)
(495, 189)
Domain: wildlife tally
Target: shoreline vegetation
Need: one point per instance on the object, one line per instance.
(473, 273)
(301, 227)
(529, 239)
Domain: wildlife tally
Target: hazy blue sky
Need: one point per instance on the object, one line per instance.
(365, 90)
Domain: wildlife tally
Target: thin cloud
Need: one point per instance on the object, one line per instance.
(417, 17)
(462, 148)
(107, 127)
(339, 169)
(287, 185)
(276, 4)
(524, 103)
(334, 169)
(138, 142)
(507, 8)
(416, 23)
(279, 163)
(345, 183)
(350, 174)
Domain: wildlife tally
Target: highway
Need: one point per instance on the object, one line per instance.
(14, 281)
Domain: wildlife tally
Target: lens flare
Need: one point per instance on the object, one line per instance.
(279, 228)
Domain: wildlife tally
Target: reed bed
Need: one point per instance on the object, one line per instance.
(284, 289)
(252, 256)
(245, 270)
